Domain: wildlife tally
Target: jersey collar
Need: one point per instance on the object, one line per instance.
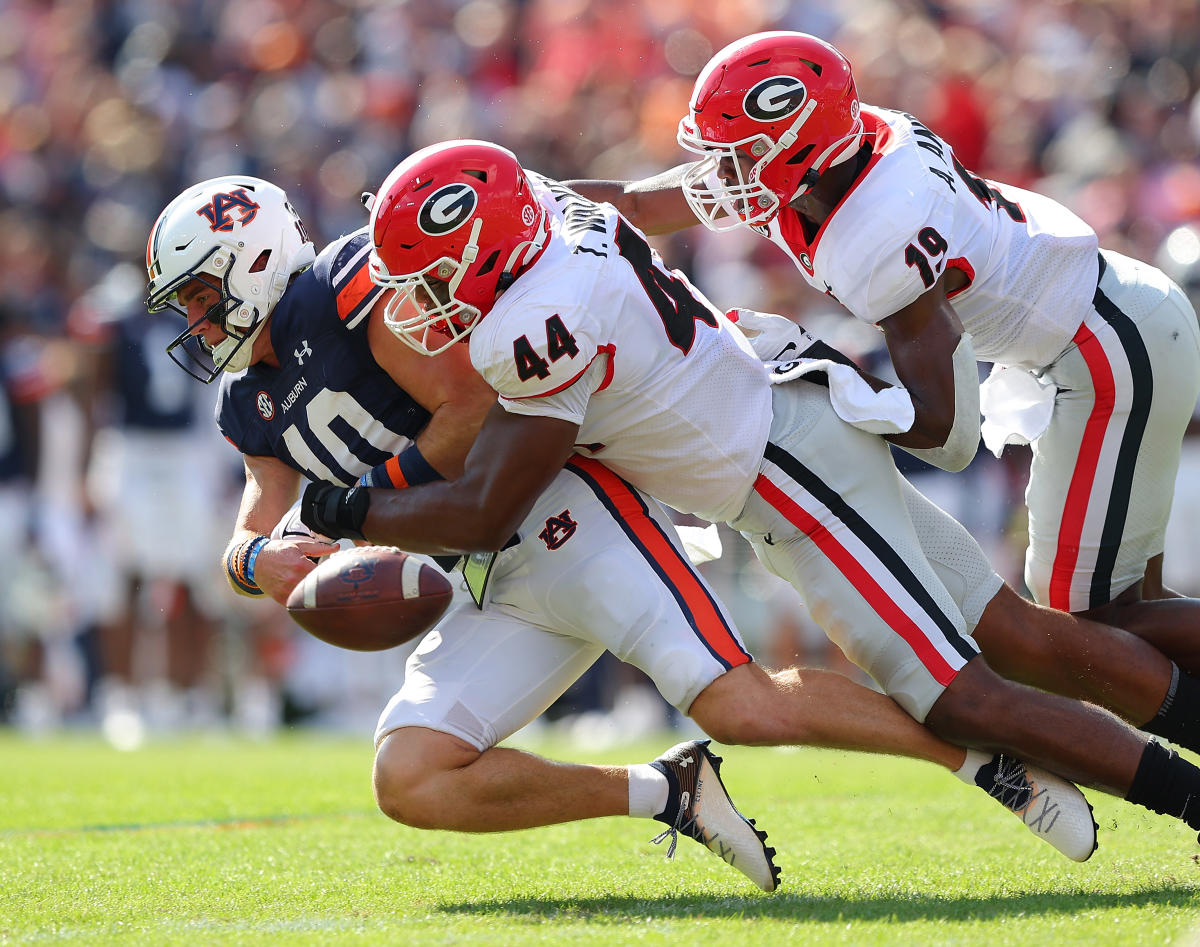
(790, 226)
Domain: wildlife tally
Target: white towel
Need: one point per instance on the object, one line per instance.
(701, 543)
(878, 412)
(889, 411)
(1016, 407)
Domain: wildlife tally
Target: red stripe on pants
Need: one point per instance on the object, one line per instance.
(858, 576)
(1079, 492)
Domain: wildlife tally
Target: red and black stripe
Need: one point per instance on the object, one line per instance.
(1142, 378)
(858, 574)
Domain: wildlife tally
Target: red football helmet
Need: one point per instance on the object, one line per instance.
(452, 225)
(785, 100)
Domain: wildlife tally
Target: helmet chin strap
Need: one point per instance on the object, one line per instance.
(240, 357)
(523, 254)
(849, 146)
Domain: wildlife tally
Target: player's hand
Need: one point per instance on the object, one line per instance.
(282, 563)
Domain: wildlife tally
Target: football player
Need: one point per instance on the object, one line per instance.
(313, 383)
(146, 422)
(1097, 356)
(596, 349)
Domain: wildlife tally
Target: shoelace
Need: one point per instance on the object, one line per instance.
(674, 829)
(1011, 785)
(1012, 775)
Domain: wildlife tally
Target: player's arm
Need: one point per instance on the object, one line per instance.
(935, 361)
(271, 489)
(515, 457)
(446, 386)
(655, 205)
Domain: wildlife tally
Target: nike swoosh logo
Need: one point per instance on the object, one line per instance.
(783, 352)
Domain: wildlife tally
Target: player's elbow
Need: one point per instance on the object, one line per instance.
(931, 426)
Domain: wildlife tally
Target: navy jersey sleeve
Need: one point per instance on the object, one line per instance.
(238, 425)
(342, 271)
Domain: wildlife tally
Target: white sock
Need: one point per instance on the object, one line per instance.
(648, 791)
(974, 760)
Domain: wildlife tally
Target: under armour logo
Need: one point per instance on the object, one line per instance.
(302, 352)
(686, 761)
(217, 210)
(558, 530)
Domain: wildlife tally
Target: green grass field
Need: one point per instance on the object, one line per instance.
(210, 841)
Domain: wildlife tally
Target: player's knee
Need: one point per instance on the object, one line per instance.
(975, 706)
(1016, 635)
(410, 766)
(742, 707)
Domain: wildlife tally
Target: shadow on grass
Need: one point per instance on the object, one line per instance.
(832, 909)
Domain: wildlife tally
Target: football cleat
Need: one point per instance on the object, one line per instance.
(700, 808)
(1051, 807)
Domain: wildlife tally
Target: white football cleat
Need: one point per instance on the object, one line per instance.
(1051, 807)
(700, 808)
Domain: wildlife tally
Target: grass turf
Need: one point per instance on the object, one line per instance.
(226, 842)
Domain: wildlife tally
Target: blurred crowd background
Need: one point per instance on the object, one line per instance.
(116, 494)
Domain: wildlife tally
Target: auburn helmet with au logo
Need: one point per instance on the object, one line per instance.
(787, 102)
(452, 226)
(241, 237)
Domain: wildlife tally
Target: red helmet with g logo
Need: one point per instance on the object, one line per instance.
(452, 225)
(787, 102)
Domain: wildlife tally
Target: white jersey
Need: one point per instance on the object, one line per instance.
(666, 392)
(915, 211)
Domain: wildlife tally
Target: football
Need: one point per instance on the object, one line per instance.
(370, 598)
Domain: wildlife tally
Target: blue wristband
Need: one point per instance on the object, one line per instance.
(256, 546)
(239, 564)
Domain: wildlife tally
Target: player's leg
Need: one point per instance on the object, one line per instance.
(1103, 473)
(1053, 650)
(470, 684)
(828, 514)
(483, 675)
(676, 631)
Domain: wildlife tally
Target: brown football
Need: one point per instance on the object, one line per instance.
(370, 598)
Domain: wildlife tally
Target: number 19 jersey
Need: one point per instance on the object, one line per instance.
(914, 212)
(597, 332)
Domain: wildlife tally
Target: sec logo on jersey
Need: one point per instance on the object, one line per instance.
(775, 98)
(447, 209)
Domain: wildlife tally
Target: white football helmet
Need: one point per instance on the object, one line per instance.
(240, 235)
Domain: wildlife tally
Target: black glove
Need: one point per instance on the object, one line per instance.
(336, 512)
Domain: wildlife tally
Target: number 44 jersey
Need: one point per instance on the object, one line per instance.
(597, 332)
(328, 409)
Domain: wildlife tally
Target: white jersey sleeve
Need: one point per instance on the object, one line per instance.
(892, 254)
(538, 359)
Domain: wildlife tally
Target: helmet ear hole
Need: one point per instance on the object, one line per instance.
(260, 263)
(488, 264)
(802, 155)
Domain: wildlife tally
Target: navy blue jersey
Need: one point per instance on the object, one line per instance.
(329, 410)
(22, 384)
(12, 463)
(153, 395)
